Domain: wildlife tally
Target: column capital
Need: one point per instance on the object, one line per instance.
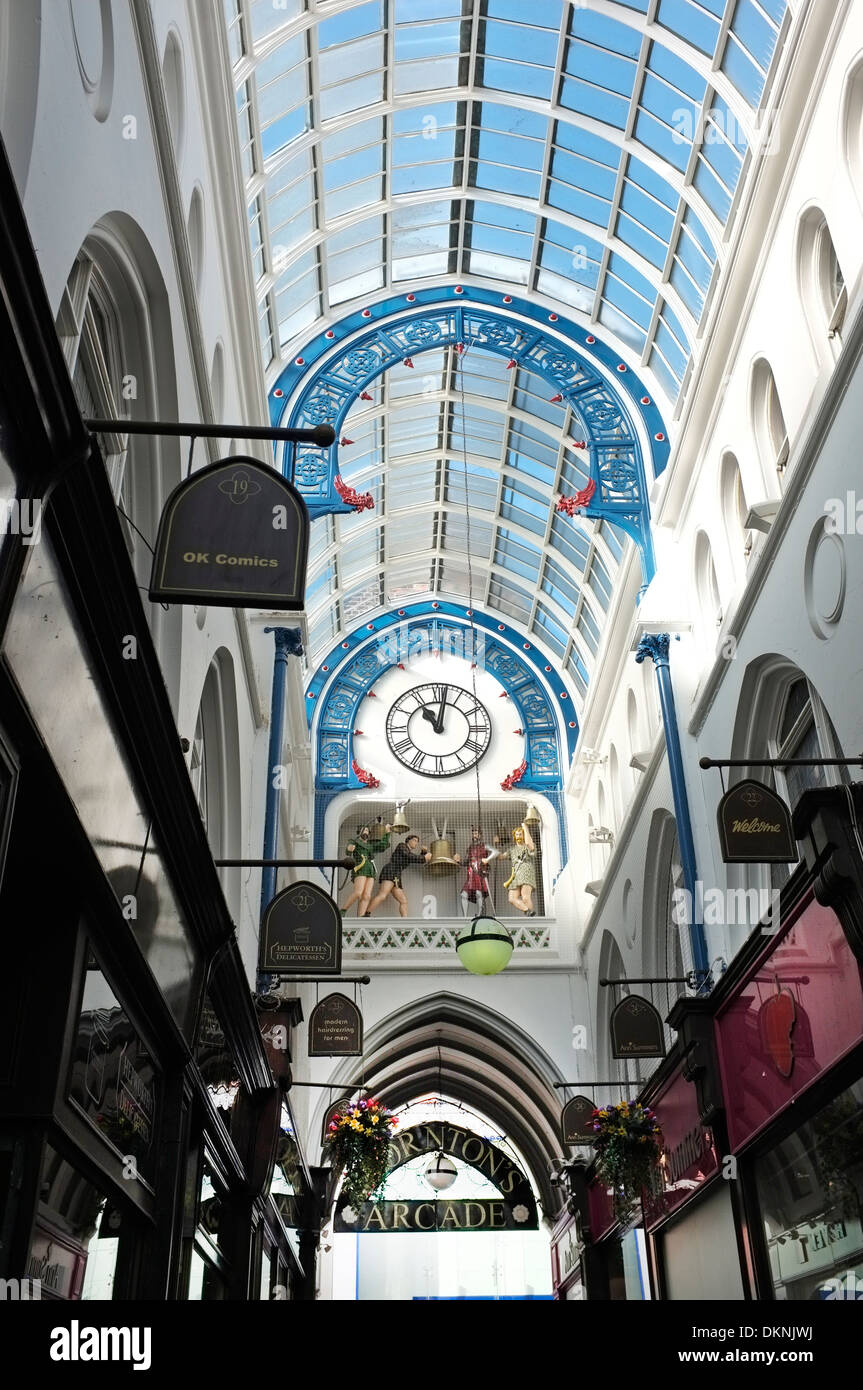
(655, 645)
(289, 640)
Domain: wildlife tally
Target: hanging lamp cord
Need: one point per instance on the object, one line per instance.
(460, 361)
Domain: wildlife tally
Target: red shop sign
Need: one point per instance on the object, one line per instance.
(800, 1010)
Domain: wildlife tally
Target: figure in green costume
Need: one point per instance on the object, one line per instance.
(363, 847)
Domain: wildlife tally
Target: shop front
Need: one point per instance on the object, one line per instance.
(120, 1175)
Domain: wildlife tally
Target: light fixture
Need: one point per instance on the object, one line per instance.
(441, 1173)
(485, 947)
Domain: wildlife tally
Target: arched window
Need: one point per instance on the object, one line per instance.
(768, 421)
(822, 284)
(665, 926)
(616, 788)
(780, 715)
(114, 326)
(735, 510)
(707, 590)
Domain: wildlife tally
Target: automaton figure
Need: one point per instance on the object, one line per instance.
(522, 881)
(364, 847)
(410, 851)
(477, 857)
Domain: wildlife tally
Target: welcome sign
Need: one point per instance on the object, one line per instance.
(234, 534)
(755, 826)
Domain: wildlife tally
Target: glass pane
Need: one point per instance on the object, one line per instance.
(73, 1252)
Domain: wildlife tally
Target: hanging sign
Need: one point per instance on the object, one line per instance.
(236, 534)
(636, 1029)
(301, 932)
(436, 1214)
(336, 1028)
(576, 1121)
(755, 826)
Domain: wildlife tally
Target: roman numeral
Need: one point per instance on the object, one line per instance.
(417, 760)
(402, 747)
(473, 746)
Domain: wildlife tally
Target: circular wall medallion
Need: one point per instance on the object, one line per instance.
(824, 580)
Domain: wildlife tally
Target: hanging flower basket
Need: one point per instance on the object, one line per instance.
(628, 1143)
(357, 1140)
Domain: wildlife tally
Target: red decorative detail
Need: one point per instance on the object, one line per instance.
(645, 400)
(368, 779)
(278, 391)
(365, 396)
(579, 444)
(572, 723)
(527, 646)
(330, 333)
(370, 627)
(518, 731)
(660, 437)
(344, 441)
(459, 347)
(552, 318)
(371, 695)
(401, 666)
(548, 668)
(554, 399)
(468, 612)
(402, 612)
(459, 290)
(621, 366)
(367, 313)
(501, 627)
(579, 499)
(358, 733)
(503, 695)
(408, 362)
(515, 776)
(590, 338)
(325, 668)
(346, 644)
(563, 695)
(511, 363)
(473, 665)
(300, 361)
(359, 501)
(507, 299)
(411, 298)
(311, 695)
(777, 1017)
(435, 605)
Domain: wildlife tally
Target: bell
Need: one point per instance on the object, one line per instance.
(399, 824)
(532, 816)
(442, 857)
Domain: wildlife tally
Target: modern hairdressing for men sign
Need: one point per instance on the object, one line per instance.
(755, 826)
(301, 933)
(336, 1028)
(235, 534)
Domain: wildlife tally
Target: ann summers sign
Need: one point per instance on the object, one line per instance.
(235, 534)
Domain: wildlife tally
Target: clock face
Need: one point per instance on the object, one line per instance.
(438, 730)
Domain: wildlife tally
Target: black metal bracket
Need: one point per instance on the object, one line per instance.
(781, 762)
(284, 864)
(322, 435)
(653, 980)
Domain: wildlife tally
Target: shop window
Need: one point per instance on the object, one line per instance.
(209, 1265)
(810, 1193)
(113, 1080)
(76, 1237)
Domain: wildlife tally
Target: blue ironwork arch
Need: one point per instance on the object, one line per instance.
(615, 459)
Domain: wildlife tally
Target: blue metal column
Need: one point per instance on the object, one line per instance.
(288, 643)
(655, 645)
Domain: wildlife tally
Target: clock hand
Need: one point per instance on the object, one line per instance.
(438, 727)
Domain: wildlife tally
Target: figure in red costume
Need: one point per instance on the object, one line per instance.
(475, 888)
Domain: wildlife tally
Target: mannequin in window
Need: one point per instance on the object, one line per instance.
(475, 889)
(410, 851)
(363, 848)
(522, 881)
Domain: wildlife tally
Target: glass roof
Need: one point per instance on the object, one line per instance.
(590, 153)
(456, 426)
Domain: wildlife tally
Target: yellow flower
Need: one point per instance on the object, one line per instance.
(375, 1119)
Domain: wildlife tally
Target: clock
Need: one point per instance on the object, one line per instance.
(438, 730)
